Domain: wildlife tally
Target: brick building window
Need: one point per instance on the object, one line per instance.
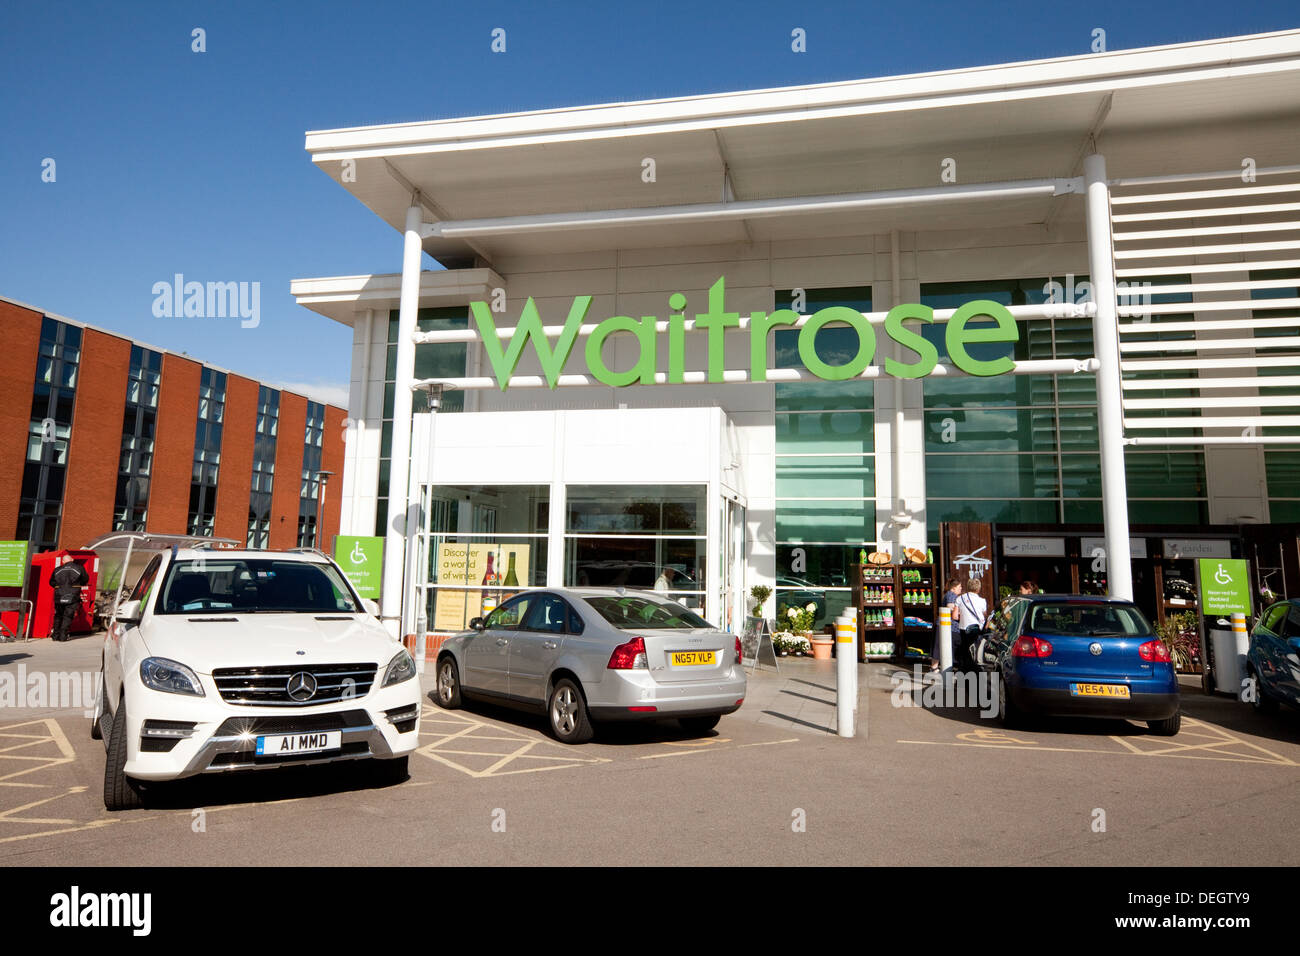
(207, 452)
(45, 470)
(309, 490)
(131, 508)
(259, 500)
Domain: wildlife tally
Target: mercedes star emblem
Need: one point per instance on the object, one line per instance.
(301, 686)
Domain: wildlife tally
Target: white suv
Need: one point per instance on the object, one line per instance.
(236, 660)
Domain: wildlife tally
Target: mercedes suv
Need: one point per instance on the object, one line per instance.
(240, 660)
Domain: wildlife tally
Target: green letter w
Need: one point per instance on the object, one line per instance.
(529, 327)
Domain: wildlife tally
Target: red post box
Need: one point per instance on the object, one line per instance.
(42, 594)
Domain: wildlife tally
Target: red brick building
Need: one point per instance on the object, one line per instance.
(99, 433)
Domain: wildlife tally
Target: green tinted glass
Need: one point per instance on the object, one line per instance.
(991, 476)
(840, 477)
(1283, 471)
(1019, 512)
(833, 432)
(990, 429)
(827, 521)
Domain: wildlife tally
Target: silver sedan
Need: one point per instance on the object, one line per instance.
(591, 655)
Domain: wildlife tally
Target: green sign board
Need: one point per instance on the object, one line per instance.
(1225, 586)
(13, 563)
(958, 335)
(362, 560)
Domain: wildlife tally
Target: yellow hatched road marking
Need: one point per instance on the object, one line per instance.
(1165, 747)
(472, 731)
(53, 735)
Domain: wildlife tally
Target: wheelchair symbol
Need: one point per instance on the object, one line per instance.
(357, 556)
(1222, 576)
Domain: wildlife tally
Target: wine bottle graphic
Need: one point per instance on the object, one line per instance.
(490, 580)
(512, 580)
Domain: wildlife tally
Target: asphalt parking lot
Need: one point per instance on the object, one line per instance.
(771, 785)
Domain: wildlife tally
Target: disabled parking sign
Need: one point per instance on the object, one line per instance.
(1225, 586)
(362, 560)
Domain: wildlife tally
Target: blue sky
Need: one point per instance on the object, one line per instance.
(170, 161)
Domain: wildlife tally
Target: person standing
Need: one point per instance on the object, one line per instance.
(950, 595)
(664, 582)
(67, 580)
(972, 614)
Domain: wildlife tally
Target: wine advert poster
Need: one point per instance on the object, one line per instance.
(464, 565)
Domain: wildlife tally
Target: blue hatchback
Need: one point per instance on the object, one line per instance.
(1079, 656)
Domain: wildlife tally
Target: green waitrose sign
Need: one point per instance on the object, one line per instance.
(957, 337)
(13, 563)
(362, 561)
(1225, 586)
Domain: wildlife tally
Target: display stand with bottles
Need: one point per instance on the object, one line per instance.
(887, 597)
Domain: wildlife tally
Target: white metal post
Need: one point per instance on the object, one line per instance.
(945, 638)
(1105, 338)
(846, 666)
(400, 533)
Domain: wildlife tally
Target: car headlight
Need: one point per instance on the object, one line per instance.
(159, 673)
(400, 668)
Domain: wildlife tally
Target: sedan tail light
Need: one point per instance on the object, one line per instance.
(1154, 651)
(629, 656)
(1031, 647)
(740, 655)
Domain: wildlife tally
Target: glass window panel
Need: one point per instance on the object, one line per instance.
(991, 429)
(1284, 512)
(816, 565)
(824, 478)
(1165, 474)
(635, 563)
(991, 476)
(1011, 512)
(1081, 476)
(825, 396)
(636, 509)
(848, 522)
(834, 432)
(1078, 429)
(1283, 471)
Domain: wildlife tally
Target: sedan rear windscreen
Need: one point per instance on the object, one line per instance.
(643, 612)
(1087, 620)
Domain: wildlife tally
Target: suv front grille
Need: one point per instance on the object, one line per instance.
(300, 724)
(269, 686)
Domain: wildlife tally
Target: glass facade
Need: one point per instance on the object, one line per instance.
(310, 486)
(484, 543)
(259, 496)
(131, 507)
(1023, 448)
(433, 360)
(1281, 464)
(207, 451)
(825, 461)
(53, 399)
(637, 536)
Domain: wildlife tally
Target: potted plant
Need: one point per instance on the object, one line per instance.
(760, 593)
(800, 620)
(1180, 636)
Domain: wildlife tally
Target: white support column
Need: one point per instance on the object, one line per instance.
(1110, 396)
(399, 536)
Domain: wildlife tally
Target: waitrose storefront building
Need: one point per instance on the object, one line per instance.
(742, 336)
